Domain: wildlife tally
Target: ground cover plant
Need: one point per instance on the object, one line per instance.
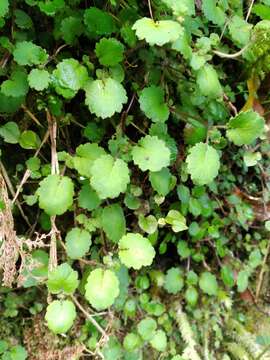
(134, 182)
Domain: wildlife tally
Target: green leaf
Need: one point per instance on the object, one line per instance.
(174, 281)
(51, 7)
(88, 198)
(148, 224)
(151, 153)
(135, 251)
(109, 177)
(86, 154)
(191, 296)
(63, 279)
(159, 341)
(78, 242)
(183, 250)
(208, 283)
(4, 6)
(240, 30)
(252, 158)
(29, 140)
(107, 91)
(157, 33)
(227, 276)
(17, 352)
(263, 11)
(102, 288)
(255, 258)
(176, 220)
(60, 316)
(10, 132)
(17, 85)
(98, 22)
(213, 12)
(113, 222)
(152, 103)
(71, 29)
(69, 77)
(131, 342)
(183, 7)
(22, 19)
(242, 280)
(110, 52)
(112, 349)
(147, 328)
(39, 79)
(202, 163)
(28, 53)
(245, 128)
(162, 181)
(55, 194)
(208, 82)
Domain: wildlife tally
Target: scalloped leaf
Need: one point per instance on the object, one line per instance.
(107, 91)
(157, 33)
(102, 288)
(174, 281)
(151, 153)
(63, 279)
(28, 53)
(39, 79)
(78, 242)
(135, 251)
(60, 316)
(202, 163)
(153, 105)
(110, 52)
(110, 177)
(245, 128)
(55, 194)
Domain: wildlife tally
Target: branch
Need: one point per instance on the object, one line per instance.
(90, 318)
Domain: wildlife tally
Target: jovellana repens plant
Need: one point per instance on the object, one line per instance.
(135, 177)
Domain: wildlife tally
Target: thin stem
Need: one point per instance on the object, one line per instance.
(249, 9)
(31, 115)
(231, 56)
(89, 317)
(150, 9)
(260, 281)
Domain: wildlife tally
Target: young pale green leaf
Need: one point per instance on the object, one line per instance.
(69, 77)
(78, 242)
(159, 341)
(113, 222)
(212, 12)
(162, 181)
(152, 103)
(98, 22)
(60, 316)
(110, 52)
(227, 275)
(55, 194)
(110, 177)
(102, 288)
(191, 296)
(28, 53)
(157, 33)
(132, 342)
(174, 281)
(147, 328)
(17, 85)
(176, 220)
(135, 251)
(148, 223)
(29, 140)
(63, 279)
(107, 91)
(202, 163)
(151, 153)
(183, 7)
(10, 132)
(39, 79)
(86, 154)
(245, 128)
(208, 283)
(88, 199)
(252, 158)
(240, 30)
(4, 6)
(208, 82)
(242, 280)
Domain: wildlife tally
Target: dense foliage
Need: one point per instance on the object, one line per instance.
(135, 176)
